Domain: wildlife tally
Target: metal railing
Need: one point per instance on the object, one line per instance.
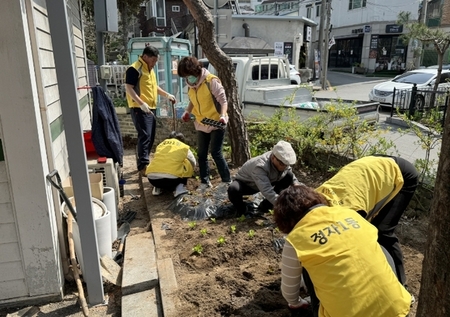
(420, 101)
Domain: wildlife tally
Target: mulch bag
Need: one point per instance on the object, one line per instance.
(211, 203)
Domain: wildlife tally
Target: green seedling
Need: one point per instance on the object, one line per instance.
(221, 240)
(233, 228)
(242, 218)
(192, 225)
(204, 232)
(271, 212)
(213, 220)
(198, 249)
(251, 233)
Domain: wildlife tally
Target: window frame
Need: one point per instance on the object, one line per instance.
(352, 4)
(176, 8)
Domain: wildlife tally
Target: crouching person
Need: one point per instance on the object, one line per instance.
(338, 248)
(268, 173)
(173, 163)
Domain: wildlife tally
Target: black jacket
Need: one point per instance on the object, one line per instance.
(106, 135)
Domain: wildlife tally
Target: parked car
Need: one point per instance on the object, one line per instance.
(423, 78)
(446, 66)
(295, 75)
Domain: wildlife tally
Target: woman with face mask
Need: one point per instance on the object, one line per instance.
(207, 100)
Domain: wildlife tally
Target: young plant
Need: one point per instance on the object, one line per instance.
(242, 218)
(221, 240)
(204, 232)
(213, 220)
(233, 228)
(271, 212)
(251, 234)
(198, 249)
(192, 225)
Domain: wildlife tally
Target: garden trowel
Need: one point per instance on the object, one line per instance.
(121, 236)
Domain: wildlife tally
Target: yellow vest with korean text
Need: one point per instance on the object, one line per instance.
(366, 184)
(146, 87)
(203, 101)
(347, 266)
(171, 158)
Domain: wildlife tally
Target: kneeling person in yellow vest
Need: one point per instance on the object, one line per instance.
(173, 163)
(349, 271)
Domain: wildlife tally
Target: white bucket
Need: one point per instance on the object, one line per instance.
(102, 218)
(109, 199)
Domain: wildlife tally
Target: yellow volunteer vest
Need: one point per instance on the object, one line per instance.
(171, 158)
(203, 102)
(365, 184)
(146, 87)
(350, 273)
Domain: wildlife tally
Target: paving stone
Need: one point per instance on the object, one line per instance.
(145, 303)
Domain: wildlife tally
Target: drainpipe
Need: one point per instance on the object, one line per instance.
(247, 29)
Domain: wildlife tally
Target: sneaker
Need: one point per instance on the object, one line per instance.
(180, 190)
(156, 191)
(205, 185)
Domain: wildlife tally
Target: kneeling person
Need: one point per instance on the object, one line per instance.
(268, 173)
(173, 163)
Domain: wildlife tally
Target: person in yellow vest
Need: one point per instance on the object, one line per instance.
(172, 164)
(207, 99)
(142, 93)
(380, 188)
(348, 268)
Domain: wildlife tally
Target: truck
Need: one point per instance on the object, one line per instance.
(264, 85)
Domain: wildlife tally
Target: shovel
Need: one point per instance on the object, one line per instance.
(122, 235)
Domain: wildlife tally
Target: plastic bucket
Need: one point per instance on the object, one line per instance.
(109, 199)
(102, 218)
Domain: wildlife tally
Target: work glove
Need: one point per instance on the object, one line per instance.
(302, 303)
(186, 117)
(171, 98)
(223, 119)
(145, 108)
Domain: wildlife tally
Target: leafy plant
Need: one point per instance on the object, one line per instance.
(192, 224)
(213, 220)
(271, 212)
(198, 249)
(204, 232)
(251, 233)
(221, 240)
(233, 228)
(120, 102)
(242, 218)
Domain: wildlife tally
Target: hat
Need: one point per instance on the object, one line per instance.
(284, 152)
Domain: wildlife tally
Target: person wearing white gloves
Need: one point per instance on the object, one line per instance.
(141, 91)
(207, 100)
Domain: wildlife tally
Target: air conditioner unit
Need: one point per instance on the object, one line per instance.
(110, 174)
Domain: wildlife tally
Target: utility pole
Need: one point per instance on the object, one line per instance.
(321, 46)
(326, 40)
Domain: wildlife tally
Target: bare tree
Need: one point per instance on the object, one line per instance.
(435, 283)
(222, 63)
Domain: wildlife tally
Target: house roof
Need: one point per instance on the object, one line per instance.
(247, 45)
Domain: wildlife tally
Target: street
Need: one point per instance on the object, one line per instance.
(349, 86)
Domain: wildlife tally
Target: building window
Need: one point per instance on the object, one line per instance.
(175, 8)
(356, 4)
(318, 10)
(308, 12)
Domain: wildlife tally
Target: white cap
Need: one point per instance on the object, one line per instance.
(285, 153)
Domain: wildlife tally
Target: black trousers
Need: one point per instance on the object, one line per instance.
(387, 219)
(238, 189)
(168, 183)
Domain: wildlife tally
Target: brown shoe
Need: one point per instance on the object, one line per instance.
(142, 171)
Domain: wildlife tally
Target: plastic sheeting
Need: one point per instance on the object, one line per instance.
(211, 203)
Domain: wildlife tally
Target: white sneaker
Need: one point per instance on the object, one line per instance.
(205, 185)
(180, 190)
(156, 191)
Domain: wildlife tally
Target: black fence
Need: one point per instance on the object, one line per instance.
(421, 101)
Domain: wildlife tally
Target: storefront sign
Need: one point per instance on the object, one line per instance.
(308, 32)
(288, 50)
(374, 42)
(367, 28)
(356, 31)
(278, 46)
(394, 28)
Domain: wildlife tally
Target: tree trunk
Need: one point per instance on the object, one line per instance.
(240, 152)
(434, 299)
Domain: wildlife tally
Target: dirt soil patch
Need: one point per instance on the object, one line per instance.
(230, 266)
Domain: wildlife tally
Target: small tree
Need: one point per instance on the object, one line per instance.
(206, 33)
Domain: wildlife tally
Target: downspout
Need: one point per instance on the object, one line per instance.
(246, 29)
